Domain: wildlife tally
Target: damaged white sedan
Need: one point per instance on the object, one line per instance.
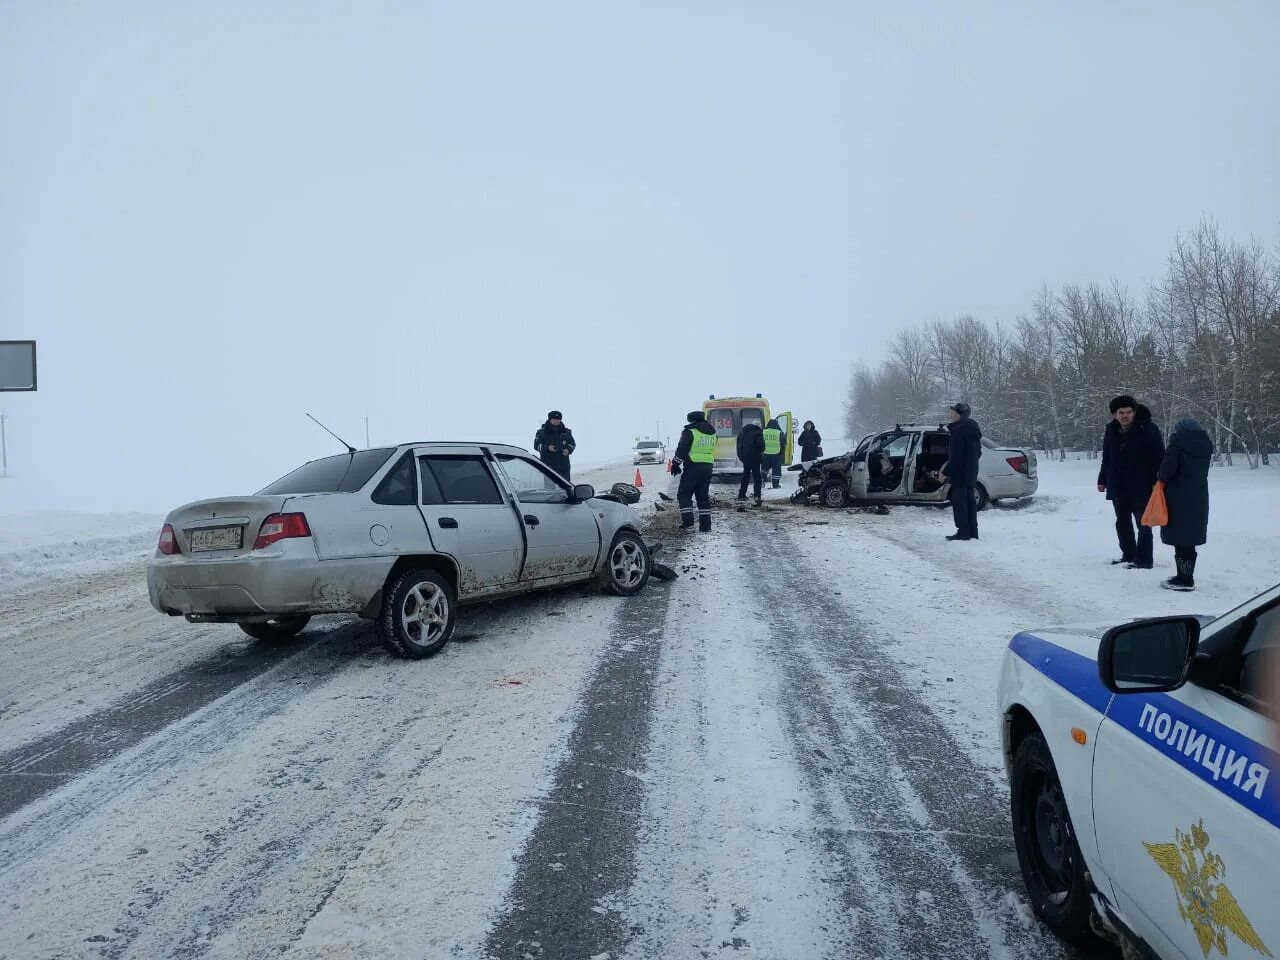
(399, 535)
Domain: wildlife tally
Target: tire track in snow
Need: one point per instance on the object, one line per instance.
(581, 854)
(916, 803)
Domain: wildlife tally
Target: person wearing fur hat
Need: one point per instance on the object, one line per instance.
(961, 469)
(1132, 449)
(554, 443)
(693, 462)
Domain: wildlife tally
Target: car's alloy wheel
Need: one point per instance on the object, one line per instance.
(417, 616)
(628, 565)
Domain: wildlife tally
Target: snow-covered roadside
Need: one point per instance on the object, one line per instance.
(948, 610)
(38, 546)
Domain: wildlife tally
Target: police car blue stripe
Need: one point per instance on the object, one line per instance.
(1076, 674)
(1226, 759)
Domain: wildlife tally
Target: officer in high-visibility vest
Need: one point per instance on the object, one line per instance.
(695, 456)
(774, 436)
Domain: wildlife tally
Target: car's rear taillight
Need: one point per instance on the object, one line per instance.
(168, 544)
(281, 526)
(1019, 464)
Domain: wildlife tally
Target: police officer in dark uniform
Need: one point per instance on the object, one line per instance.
(695, 456)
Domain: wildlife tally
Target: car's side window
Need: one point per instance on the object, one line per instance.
(399, 488)
(1256, 666)
(458, 480)
(530, 482)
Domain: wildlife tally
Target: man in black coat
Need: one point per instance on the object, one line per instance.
(1131, 453)
(554, 443)
(751, 453)
(961, 469)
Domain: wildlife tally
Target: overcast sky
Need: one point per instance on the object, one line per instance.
(451, 217)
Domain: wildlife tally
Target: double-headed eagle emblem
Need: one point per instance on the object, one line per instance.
(1203, 898)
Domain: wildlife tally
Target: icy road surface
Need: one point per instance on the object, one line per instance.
(790, 752)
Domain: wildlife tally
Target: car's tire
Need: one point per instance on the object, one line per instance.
(418, 612)
(627, 565)
(1052, 866)
(278, 630)
(834, 493)
(984, 499)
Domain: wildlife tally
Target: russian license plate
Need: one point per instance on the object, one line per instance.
(216, 538)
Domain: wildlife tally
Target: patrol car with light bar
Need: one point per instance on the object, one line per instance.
(1143, 784)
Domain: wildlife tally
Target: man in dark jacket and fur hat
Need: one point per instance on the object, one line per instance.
(554, 443)
(1131, 453)
(961, 469)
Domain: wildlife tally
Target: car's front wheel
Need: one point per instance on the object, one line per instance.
(418, 610)
(277, 630)
(628, 565)
(834, 493)
(1052, 866)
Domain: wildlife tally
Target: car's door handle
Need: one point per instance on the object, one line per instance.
(449, 523)
(531, 520)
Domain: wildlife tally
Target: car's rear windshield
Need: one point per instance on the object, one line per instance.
(345, 473)
(648, 445)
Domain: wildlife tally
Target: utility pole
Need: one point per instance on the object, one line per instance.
(366, 433)
(4, 449)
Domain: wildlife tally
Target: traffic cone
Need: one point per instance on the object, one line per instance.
(639, 480)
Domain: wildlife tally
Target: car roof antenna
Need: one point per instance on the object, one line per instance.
(350, 449)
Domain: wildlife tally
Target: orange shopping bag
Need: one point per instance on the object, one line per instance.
(1157, 512)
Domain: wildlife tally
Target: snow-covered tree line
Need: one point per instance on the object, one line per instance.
(1204, 342)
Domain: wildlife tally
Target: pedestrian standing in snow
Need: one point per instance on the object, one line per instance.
(774, 438)
(1131, 453)
(961, 469)
(554, 443)
(1185, 473)
(810, 443)
(693, 462)
(751, 453)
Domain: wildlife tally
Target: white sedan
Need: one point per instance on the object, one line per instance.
(1141, 763)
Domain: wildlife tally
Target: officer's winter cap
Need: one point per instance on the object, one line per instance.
(1124, 400)
(961, 408)
(555, 415)
(695, 416)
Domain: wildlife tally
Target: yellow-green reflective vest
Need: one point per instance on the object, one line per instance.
(703, 449)
(772, 441)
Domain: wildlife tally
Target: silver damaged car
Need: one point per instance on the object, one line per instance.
(398, 535)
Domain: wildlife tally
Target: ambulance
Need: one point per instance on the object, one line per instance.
(729, 415)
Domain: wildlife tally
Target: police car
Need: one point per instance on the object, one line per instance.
(1143, 783)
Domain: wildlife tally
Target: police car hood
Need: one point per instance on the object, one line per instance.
(1084, 638)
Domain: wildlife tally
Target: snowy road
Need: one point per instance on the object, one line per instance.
(788, 752)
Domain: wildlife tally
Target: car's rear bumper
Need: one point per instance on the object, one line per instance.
(1010, 486)
(258, 585)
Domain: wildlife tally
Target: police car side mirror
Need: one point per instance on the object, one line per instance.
(1148, 656)
(583, 492)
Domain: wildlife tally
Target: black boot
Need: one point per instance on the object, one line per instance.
(704, 523)
(1185, 581)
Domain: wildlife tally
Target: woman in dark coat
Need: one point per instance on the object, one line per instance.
(810, 443)
(1185, 473)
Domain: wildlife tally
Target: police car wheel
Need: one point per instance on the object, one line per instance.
(628, 565)
(1052, 866)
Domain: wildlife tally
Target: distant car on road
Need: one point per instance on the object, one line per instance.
(898, 466)
(1143, 780)
(399, 535)
(649, 451)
